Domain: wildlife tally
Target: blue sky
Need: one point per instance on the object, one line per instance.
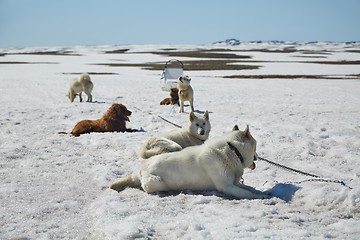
(28, 23)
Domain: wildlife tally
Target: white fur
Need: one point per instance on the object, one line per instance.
(211, 166)
(186, 92)
(81, 84)
(195, 132)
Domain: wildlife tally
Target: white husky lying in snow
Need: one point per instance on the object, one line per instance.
(194, 133)
(81, 84)
(218, 164)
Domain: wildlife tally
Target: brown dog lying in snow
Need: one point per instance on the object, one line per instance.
(173, 99)
(114, 120)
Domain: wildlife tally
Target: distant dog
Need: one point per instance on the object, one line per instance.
(80, 84)
(114, 120)
(195, 132)
(186, 92)
(218, 164)
(173, 99)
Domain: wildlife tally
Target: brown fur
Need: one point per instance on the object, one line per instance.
(173, 99)
(114, 120)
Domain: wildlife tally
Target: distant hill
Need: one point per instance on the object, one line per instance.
(235, 42)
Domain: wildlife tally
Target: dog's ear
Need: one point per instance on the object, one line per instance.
(206, 115)
(235, 128)
(192, 116)
(246, 132)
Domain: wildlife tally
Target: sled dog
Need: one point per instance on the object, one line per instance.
(114, 120)
(173, 99)
(195, 132)
(186, 92)
(80, 84)
(218, 164)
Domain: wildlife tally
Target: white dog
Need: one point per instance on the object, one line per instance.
(186, 92)
(81, 84)
(195, 132)
(218, 164)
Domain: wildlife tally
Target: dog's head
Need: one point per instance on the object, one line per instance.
(199, 126)
(184, 81)
(174, 96)
(84, 77)
(71, 96)
(174, 93)
(245, 144)
(120, 111)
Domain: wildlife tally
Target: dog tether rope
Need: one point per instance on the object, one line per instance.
(315, 178)
(169, 121)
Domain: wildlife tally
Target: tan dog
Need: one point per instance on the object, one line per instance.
(186, 92)
(80, 84)
(112, 121)
(173, 99)
(218, 164)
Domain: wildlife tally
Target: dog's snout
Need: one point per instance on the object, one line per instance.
(256, 157)
(202, 131)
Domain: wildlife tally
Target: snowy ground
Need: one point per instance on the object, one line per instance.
(52, 185)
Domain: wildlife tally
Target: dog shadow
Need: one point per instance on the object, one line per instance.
(106, 101)
(284, 191)
(202, 112)
(198, 111)
(99, 102)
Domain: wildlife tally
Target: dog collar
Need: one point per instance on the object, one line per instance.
(237, 152)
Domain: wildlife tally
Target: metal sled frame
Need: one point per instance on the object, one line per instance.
(172, 71)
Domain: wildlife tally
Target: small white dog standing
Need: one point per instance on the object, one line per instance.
(186, 92)
(218, 164)
(195, 132)
(81, 84)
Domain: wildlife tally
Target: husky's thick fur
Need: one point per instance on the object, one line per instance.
(80, 84)
(186, 92)
(218, 164)
(195, 132)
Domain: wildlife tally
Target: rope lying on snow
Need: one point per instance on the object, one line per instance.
(169, 121)
(315, 178)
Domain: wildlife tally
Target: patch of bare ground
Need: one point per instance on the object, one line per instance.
(28, 62)
(199, 65)
(303, 56)
(201, 54)
(54, 53)
(92, 73)
(118, 51)
(289, 76)
(315, 52)
(353, 51)
(344, 62)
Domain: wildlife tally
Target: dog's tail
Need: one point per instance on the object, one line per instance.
(158, 145)
(147, 149)
(151, 148)
(129, 181)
